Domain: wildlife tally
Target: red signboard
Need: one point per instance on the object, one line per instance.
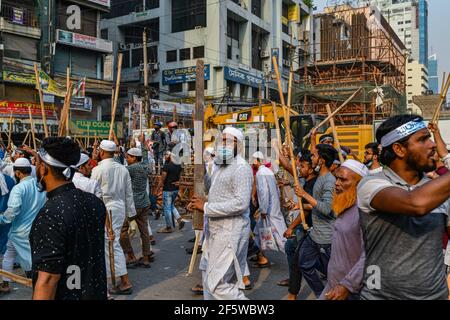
(20, 109)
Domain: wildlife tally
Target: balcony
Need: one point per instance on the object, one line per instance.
(19, 20)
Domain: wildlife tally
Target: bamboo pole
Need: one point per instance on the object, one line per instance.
(116, 97)
(110, 233)
(437, 110)
(16, 278)
(41, 99)
(10, 130)
(64, 112)
(32, 128)
(26, 137)
(334, 112)
(336, 139)
(286, 113)
(68, 109)
(277, 125)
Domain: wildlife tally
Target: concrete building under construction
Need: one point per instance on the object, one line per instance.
(352, 48)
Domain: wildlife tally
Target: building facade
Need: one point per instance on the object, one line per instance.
(235, 38)
(416, 84)
(55, 35)
(433, 78)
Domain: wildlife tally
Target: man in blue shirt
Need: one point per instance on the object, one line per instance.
(4, 229)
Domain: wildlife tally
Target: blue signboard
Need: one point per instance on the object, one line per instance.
(182, 75)
(243, 77)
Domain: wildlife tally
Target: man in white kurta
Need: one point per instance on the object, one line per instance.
(117, 195)
(227, 230)
(269, 205)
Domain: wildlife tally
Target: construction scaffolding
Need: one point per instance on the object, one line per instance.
(352, 48)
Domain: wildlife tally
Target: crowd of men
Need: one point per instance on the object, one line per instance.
(376, 229)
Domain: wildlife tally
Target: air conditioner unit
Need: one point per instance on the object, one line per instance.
(265, 54)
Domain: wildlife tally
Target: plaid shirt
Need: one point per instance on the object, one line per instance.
(139, 180)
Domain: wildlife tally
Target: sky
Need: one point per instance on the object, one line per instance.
(438, 31)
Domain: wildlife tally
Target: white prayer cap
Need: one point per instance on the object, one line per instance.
(83, 159)
(135, 152)
(258, 155)
(22, 163)
(234, 132)
(357, 167)
(108, 145)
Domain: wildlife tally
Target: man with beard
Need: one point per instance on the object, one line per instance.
(67, 236)
(346, 266)
(24, 203)
(315, 250)
(371, 158)
(403, 216)
(227, 227)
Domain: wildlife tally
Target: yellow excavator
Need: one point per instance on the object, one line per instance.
(256, 118)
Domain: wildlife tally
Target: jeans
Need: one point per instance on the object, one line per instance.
(295, 275)
(312, 257)
(169, 208)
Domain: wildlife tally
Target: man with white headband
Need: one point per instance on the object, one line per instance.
(345, 269)
(403, 216)
(24, 203)
(115, 182)
(227, 211)
(67, 237)
(81, 177)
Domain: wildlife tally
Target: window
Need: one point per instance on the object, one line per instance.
(199, 52)
(137, 57)
(171, 56)
(104, 34)
(151, 4)
(185, 54)
(187, 15)
(177, 87)
(126, 59)
(191, 85)
(256, 7)
(233, 29)
(229, 52)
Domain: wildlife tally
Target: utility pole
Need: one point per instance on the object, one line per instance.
(146, 104)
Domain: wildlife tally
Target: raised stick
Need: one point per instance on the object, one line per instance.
(32, 128)
(333, 127)
(41, 99)
(116, 97)
(437, 110)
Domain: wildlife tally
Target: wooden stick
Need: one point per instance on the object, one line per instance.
(26, 137)
(334, 112)
(10, 130)
(116, 97)
(336, 140)
(437, 110)
(65, 111)
(277, 125)
(32, 128)
(16, 278)
(41, 99)
(194, 252)
(68, 109)
(289, 141)
(110, 232)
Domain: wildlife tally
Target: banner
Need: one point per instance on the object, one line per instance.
(94, 128)
(50, 86)
(243, 77)
(20, 109)
(83, 41)
(17, 15)
(79, 90)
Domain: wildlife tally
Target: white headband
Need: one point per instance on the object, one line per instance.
(402, 132)
(48, 159)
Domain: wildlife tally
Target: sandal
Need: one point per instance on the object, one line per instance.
(117, 291)
(283, 283)
(261, 265)
(198, 290)
(165, 230)
(143, 264)
(132, 264)
(249, 286)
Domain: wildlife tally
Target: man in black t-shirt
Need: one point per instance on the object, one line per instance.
(67, 236)
(170, 186)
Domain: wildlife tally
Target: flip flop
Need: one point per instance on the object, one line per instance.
(283, 283)
(261, 266)
(132, 264)
(117, 291)
(197, 292)
(249, 286)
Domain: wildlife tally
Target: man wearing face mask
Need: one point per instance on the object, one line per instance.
(227, 212)
(316, 248)
(371, 156)
(24, 203)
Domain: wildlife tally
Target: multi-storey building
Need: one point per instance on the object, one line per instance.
(416, 83)
(433, 78)
(235, 38)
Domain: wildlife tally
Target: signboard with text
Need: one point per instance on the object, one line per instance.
(20, 109)
(94, 128)
(181, 75)
(83, 41)
(243, 77)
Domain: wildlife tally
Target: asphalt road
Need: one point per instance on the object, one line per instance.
(167, 278)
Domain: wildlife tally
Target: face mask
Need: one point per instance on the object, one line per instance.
(224, 155)
(369, 164)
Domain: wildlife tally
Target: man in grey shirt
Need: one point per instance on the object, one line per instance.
(315, 250)
(403, 216)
